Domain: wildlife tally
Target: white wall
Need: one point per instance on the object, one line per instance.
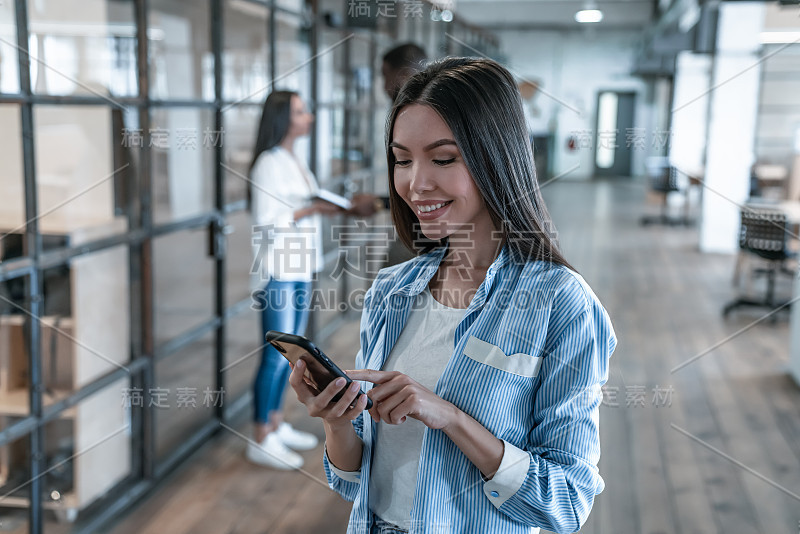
(690, 112)
(736, 73)
(779, 112)
(572, 67)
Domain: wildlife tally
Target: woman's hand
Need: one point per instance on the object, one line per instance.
(396, 396)
(364, 205)
(325, 208)
(318, 403)
(317, 206)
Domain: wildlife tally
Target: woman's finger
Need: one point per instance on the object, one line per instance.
(361, 403)
(297, 380)
(341, 406)
(326, 395)
(370, 375)
(386, 406)
(373, 412)
(385, 390)
(400, 412)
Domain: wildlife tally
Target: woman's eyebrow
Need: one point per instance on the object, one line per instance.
(440, 142)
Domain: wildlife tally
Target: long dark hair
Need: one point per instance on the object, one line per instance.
(480, 103)
(275, 120)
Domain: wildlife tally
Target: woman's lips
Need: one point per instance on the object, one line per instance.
(433, 214)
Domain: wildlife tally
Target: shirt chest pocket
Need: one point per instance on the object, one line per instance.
(495, 388)
(520, 364)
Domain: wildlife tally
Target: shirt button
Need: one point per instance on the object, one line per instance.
(495, 494)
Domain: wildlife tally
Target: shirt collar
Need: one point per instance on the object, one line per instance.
(428, 264)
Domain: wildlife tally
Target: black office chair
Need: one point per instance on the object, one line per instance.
(665, 181)
(763, 233)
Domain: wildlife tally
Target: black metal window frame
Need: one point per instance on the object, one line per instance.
(146, 470)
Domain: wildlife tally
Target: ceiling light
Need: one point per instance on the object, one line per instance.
(779, 37)
(589, 13)
(587, 16)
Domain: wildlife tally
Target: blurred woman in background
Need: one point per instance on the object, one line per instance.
(283, 216)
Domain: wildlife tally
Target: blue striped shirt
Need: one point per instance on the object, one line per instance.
(530, 357)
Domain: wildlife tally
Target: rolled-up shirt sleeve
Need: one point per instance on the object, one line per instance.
(509, 476)
(347, 476)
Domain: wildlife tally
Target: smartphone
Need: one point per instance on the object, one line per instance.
(320, 370)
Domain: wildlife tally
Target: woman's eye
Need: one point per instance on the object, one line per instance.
(444, 161)
(402, 162)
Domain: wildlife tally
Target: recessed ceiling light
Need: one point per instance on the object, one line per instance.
(587, 16)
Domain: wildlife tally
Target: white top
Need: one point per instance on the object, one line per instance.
(285, 250)
(421, 352)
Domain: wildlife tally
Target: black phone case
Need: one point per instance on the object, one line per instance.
(295, 347)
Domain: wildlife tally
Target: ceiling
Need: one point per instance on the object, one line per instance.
(553, 14)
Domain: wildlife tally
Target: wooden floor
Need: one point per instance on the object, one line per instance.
(712, 446)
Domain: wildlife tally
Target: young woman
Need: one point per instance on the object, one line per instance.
(280, 191)
(484, 356)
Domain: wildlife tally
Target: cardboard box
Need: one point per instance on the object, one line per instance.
(13, 353)
(56, 353)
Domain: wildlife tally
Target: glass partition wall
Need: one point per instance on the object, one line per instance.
(127, 323)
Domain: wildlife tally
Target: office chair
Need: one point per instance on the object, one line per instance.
(763, 233)
(665, 181)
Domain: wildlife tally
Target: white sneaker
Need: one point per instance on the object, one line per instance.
(295, 439)
(273, 453)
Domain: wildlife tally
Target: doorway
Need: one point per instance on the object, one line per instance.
(613, 133)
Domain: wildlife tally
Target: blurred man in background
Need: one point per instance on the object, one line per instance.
(399, 64)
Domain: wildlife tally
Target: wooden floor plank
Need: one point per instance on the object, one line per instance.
(665, 299)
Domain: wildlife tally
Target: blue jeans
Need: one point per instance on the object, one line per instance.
(286, 310)
(379, 526)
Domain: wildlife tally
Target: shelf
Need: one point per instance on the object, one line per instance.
(79, 230)
(67, 500)
(17, 402)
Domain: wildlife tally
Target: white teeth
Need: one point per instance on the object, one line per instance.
(426, 209)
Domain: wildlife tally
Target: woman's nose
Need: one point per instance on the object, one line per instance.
(421, 181)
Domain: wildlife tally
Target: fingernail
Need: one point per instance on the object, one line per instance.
(340, 382)
(300, 364)
(354, 387)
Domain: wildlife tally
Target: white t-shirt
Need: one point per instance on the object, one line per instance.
(421, 352)
(283, 249)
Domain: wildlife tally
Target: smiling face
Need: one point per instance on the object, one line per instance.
(431, 177)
